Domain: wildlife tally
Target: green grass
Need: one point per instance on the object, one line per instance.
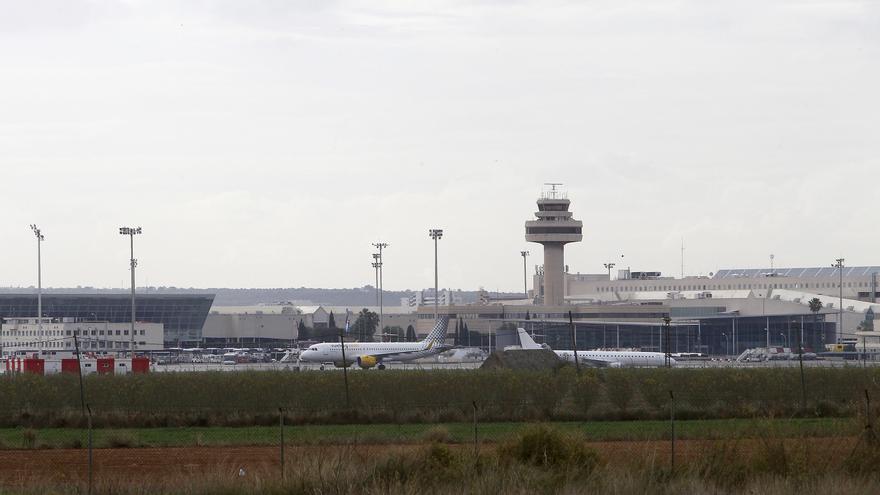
(13, 438)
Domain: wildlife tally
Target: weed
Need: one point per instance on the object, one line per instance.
(29, 438)
(546, 447)
(436, 434)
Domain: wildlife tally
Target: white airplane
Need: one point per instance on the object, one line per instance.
(609, 359)
(369, 354)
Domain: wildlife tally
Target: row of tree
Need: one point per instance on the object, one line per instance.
(362, 329)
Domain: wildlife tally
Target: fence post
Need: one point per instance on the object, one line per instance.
(91, 461)
(281, 424)
(672, 426)
(476, 443)
(869, 426)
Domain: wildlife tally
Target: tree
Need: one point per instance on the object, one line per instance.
(410, 333)
(301, 331)
(816, 306)
(365, 325)
(392, 334)
(331, 322)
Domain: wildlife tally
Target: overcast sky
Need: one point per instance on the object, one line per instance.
(268, 143)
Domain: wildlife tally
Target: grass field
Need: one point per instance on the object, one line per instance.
(535, 459)
(448, 396)
(19, 438)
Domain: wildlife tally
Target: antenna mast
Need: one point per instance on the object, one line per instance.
(682, 257)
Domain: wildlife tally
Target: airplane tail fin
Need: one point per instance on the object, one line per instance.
(438, 333)
(526, 341)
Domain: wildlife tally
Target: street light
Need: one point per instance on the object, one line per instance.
(839, 265)
(436, 234)
(40, 239)
(525, 283)
(131, 232)
(380, 246)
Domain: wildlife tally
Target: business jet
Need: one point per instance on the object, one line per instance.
(601, 359)
(370, 354)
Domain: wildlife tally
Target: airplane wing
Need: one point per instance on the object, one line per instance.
(415, 353)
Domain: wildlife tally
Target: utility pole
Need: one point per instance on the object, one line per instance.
(436, 234)
(838, 263)
(40, 239)
(380, 246)
(131, 232)
(525, 278)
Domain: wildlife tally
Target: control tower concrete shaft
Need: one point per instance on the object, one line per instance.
(554, 228)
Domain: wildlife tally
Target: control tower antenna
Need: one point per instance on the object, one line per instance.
(554, 228)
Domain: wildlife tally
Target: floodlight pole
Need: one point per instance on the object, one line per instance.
(839, 265)
(609, 266)
(436, 234)
(376, 267)
(131, 232)
(666, 322)
(525, 277)
(380, 246)
(40, 239)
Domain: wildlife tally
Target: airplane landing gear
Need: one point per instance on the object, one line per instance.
(381, 366)
(321, 368)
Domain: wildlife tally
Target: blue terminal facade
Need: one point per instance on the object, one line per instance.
(716, 335)
(183, 315)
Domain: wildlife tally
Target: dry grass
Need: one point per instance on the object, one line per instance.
(540, 460)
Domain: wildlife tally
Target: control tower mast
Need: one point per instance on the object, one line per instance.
(554, 228)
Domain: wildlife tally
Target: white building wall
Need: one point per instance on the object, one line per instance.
(25, 333)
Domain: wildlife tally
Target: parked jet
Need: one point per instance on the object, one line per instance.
(611, 359)
(369, 354)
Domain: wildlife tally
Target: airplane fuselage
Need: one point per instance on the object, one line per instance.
(623, 359)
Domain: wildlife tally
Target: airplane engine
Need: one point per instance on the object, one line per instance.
(367, 361)
(615, 364)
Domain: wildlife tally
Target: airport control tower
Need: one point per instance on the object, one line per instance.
(554, 228)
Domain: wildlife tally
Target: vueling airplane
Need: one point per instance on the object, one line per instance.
(369, 354)
(610, 359)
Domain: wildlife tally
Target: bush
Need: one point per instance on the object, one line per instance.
(29, 438)
(120, 440)
(546, 447)
(436, 434)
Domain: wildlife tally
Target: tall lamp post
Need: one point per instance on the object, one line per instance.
(131, 232)
(40, 239)
(838, 263)
(380, 246)
(666, 321)
(525, 254)
(376, 266)
(436, 234)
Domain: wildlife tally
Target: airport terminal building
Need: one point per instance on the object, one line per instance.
(182, 315)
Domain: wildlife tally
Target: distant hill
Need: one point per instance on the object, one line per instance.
(363, 296)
